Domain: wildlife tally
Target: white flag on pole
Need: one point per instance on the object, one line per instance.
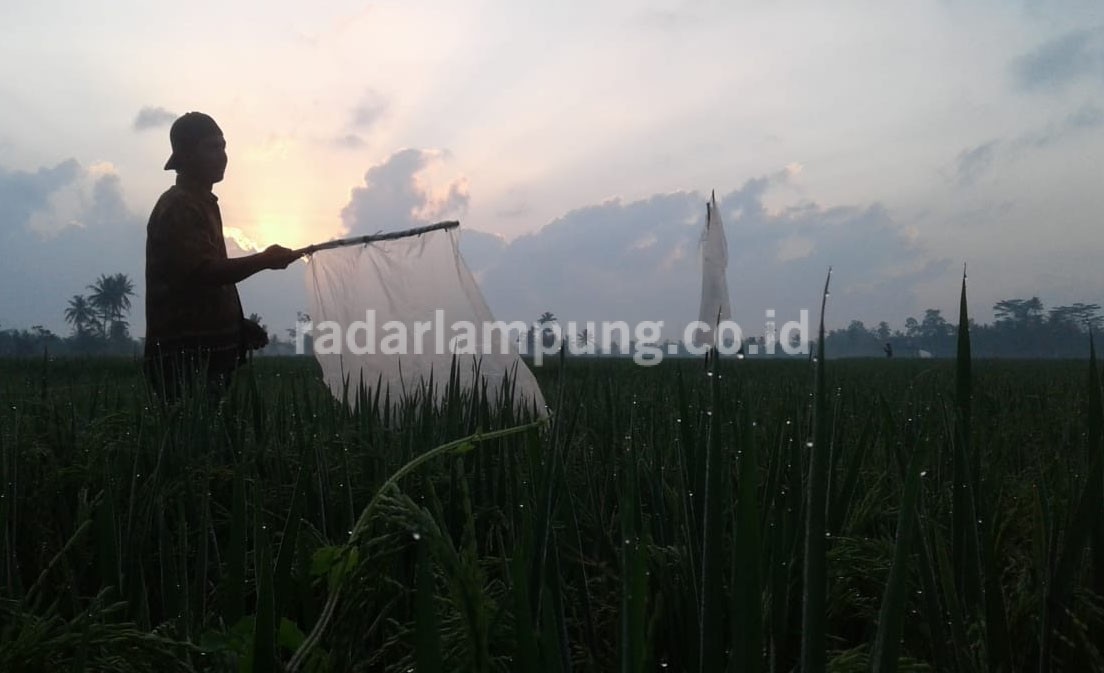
(715, 305)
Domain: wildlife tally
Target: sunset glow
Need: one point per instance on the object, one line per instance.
(525, 121)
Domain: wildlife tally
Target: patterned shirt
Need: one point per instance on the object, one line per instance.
(183, 304)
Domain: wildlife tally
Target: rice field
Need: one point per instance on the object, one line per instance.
(820, 515)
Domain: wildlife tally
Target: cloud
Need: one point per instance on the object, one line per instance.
(397, 195)
(24, 193)
(1056, 63)
(515, 211)
(794, 247)
(1086, 118)
(87, 228)
(60, 229)
(63, 226)
(349, 141)
(974, 161)
(480, 250)
(640, 260)
(152, 118)
(369, 110)
(644, 242)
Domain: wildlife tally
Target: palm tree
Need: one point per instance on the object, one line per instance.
(80, 314)
(548, 336)
(111, 298)
(120, 331)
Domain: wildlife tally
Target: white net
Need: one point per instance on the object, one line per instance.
(396, 312)
(715, 306)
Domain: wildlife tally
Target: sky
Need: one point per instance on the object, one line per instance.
(577, 143)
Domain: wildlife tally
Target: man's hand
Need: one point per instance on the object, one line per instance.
(279, 257)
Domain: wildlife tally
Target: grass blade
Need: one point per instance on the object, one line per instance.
(427, 636)
(747, 650)
(710, 657)
(891, 617)
(813, 611)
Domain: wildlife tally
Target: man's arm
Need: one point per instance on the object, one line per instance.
(215, 271)
(191, 255)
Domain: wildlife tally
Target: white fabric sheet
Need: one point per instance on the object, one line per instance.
(715, 305)
(368, 291)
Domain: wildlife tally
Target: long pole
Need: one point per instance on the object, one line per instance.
(364, 240)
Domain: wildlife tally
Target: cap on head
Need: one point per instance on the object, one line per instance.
(186, 132)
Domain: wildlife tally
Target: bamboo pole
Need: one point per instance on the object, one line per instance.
(372, 238)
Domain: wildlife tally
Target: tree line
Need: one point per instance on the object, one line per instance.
(98, 320)
(1022, 328)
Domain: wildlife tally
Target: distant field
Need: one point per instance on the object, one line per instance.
(658, 522)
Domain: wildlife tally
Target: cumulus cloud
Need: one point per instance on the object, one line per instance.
(397, 195)
(61, 228)
(48, 259)
(640, 260)
(152, 118)
(481, 251)
(1061, 60)
(24, 193)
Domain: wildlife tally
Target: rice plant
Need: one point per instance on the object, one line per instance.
(752, 515)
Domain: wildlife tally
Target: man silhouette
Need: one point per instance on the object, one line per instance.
(196, 332)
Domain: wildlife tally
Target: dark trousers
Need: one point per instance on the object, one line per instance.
(191, 367)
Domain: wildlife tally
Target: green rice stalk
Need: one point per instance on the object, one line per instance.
(32, 598)
(556, 612)
(107, 537)
(891, 617)
(710, 653)
(964, 535)
(1096, 451)
(265, 620)
(427, 636)
(232, 587)
(841, 500)
(171, 591)
(525, 636)
(747, 649)
(1060, 595)
(815, 576)
(205, 534)
(634, 582)
(943, 565)
(979, 535)
(553, 661)
(935, 616)
(184, 619)
(462, 445)
(288, 543)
